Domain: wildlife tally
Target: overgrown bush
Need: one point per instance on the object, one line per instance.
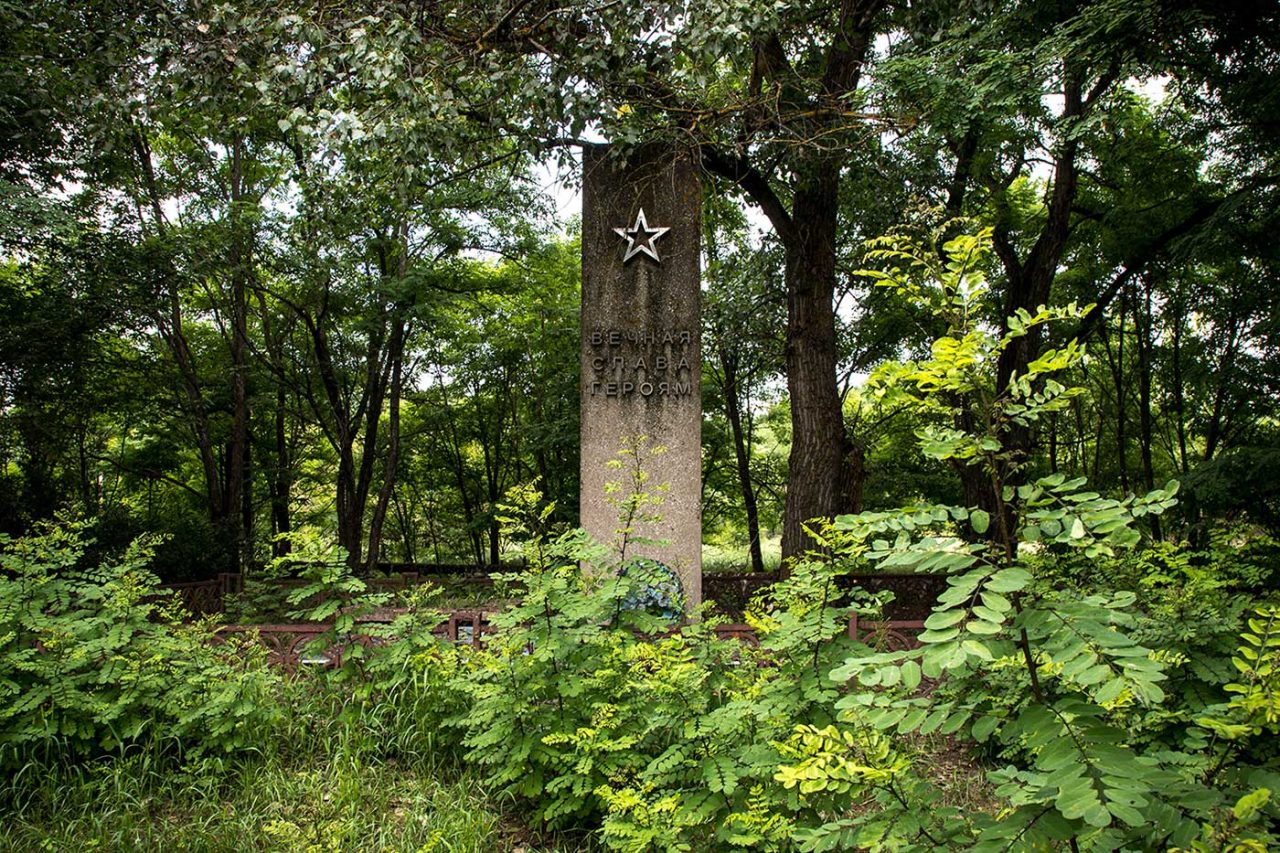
(1116, 694)
(90, 662)
(594, 710)
(1120, 698)
(1051, 647)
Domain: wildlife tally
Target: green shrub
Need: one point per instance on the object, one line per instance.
(595, 711)
(1120, 697)
(1055, 647)
(90, 662)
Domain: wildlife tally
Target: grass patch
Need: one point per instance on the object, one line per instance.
(141, 801)
(735, 556)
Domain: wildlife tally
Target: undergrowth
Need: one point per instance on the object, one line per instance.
(336, 775)
(1076, 688)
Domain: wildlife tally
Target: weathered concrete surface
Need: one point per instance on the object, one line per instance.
(641, 351)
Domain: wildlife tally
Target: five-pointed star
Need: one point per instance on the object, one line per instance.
(640, 238)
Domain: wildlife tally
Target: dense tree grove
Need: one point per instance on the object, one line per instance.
(990, 297)
(270, 269)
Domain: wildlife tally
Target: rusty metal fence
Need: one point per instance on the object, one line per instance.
(292, 645)
(914, 595)
(296, 644)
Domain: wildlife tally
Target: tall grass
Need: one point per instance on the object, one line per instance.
(135, 802)
(326, 781)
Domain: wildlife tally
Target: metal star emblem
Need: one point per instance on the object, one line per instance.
(640, 238)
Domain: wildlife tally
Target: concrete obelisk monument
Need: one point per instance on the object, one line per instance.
(641, 352)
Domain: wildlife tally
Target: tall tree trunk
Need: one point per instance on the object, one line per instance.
(1142, 322)
(1053, 443)
(460, 475)
(395, 352)
(1116, 363)
(397, 264)
(247, 508)
(492, 445)
(281, 481)
(88, 494)
(341, 438)
(350, 515)
(1097, 445)
(814, 488)
(169, 323)
(733, 411)
(1176, 386)
(1223, 374)
(1029, 282)
(238, 449)
(822, 477)
(404, 520)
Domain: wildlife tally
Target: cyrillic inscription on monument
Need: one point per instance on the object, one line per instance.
(642, 361)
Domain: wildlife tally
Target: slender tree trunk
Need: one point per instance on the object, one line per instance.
(460, 476)
(1053, 443)
(281, 481)
(354, 479)
(404, 520)
(1116, 363)
(492, 445)
(1142, 322)
(733, 410)
(1177, 389)
(247, 508)
(170, 324)
(1222, 382)
(225, 488)
(432, 532)
(1029, 281)
(87, 496)
(1097, 445)
(1079, 446)
(395, 352)
(238, 448)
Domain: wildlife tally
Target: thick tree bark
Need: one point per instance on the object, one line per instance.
(822, 478)
(817, 439)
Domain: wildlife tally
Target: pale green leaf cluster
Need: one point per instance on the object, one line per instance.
(1048, 677)
(92, 658)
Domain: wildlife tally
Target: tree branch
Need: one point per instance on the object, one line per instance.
(738, 170)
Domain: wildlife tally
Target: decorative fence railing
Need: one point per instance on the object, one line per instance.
(293, 644)
(914, 595)
(203, 598)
